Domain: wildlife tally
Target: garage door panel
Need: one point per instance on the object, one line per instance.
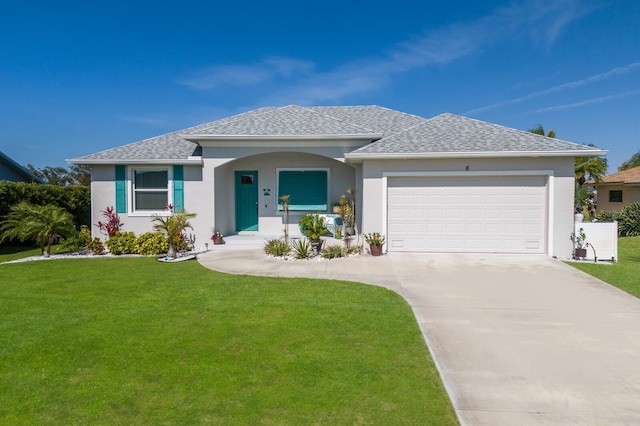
(485, 214)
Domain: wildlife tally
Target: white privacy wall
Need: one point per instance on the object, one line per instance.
(602, 238)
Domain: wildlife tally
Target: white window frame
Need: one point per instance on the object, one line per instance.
(303, 169)
(132, 190)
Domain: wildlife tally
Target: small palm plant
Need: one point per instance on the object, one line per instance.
(285, 208)
(44, 224)
(172, 226)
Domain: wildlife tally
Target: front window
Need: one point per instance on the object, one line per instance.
(150, 189)
(307, 189)
(615, 196)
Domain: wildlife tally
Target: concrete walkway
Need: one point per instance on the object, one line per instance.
(518, 340)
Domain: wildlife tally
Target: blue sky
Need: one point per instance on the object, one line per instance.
(81, 77)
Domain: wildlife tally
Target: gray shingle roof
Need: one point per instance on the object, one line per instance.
(450, 133)
(401, 134)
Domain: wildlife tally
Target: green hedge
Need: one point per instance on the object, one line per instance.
(75, 199)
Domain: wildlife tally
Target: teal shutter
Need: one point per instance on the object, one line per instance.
(307, 188)
(178, 188)
(121, 189)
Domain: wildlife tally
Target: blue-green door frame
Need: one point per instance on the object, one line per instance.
(246, 189)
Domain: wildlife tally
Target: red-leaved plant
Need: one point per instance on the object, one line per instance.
(112, 223)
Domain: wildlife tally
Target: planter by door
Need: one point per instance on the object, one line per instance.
(218, 241)
(375, 250)
(581, 252)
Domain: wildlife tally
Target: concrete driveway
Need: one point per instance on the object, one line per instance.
(518, 340)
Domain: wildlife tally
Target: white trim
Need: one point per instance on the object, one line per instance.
(472, 154)
(303, 169)
(131, 192)
(550, 174)
(319, 137)
(192, 161)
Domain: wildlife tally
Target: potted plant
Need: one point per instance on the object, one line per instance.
(346, 213)
(312, 226)
(217, 237)
(375, 241)
(337, 208)
(579, 241)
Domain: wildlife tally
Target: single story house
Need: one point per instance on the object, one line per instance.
(444, 184)
(14, 172)
(618, 190)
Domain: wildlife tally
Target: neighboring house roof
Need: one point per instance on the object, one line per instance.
(10, 170)
(390, 133)
(626, 177)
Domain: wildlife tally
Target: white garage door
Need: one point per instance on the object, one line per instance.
(463, 214)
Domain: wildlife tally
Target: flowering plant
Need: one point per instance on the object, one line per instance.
(217, 235)
(374, 239)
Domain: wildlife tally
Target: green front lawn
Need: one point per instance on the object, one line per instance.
(134, 341)
(622, 274)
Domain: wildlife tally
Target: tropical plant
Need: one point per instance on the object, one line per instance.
(285, 208)
(277, 247)
(333, 252)
(301, 249)
(585, 168)
(628, 219)
(112, 225)
(172, 226)
(43, 224)
(374, 239)
(634, 161)
(312, 226)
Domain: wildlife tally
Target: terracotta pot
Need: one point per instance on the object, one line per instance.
(336, 209)
(580, 252)
(375, 250)
(218, 241)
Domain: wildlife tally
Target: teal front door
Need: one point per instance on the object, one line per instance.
(246, 183)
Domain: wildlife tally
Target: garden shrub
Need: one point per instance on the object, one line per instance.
(277, 247)
(74, 199)
(78, 241)
(95, 246)
(122, 243)
(628, 219)
(333, 252)
(151, 243)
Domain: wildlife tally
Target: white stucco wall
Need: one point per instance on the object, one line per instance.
(209, 191)
(560, 189)
(341, 176)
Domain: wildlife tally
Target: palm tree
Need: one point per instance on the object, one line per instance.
(286, 199)
(585, 167)
(634, 161)
(44, 224)
(172, 226)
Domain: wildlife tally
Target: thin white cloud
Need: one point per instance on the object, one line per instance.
(243, 75)
(591, 101)
(555, 89)
(540, 20)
